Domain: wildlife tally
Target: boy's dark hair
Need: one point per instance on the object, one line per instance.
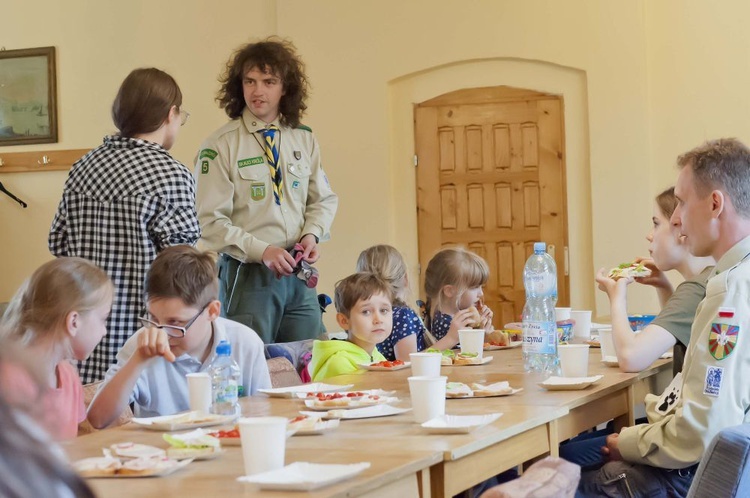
(144, 100)
(272, 56)
(357, 287)
(183, 272)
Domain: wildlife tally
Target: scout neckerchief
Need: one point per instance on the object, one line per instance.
(271, 136)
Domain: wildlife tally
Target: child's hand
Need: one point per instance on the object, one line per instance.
(613, 288)
(657, 278)
(153, 342)
(461, 320)
(487, 315)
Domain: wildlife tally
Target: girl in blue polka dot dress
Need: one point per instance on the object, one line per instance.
(453, 283)
(408, 330)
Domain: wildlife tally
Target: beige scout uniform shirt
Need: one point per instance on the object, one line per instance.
(234, 198)
(715, 391)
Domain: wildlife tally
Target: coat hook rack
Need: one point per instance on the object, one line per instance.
(35, 161)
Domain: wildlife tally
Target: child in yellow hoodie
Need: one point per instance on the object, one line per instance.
(364, 306)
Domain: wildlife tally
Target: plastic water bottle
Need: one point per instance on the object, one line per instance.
(539, 326)
(225, 379)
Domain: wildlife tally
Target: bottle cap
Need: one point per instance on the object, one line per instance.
(224, 348)
(540, 246)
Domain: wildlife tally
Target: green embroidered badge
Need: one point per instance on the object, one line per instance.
(250, 161)
(209, 153)
(257, 191)
(204, 167)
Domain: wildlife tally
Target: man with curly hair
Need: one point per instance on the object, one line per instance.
(261, 190)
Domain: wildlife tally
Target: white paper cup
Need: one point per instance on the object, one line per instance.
(199, 391)
(606, 343)
(582, 325)
(425, 364)
(472, 341)
(574, 359)
(427, 397)
(263, 442)
(562, 314)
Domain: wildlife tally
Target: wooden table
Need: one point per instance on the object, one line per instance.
(392, 473)
(405, 460)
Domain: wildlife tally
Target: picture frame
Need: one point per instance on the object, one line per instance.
(28, 96)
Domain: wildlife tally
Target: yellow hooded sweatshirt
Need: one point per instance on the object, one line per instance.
(335, 357)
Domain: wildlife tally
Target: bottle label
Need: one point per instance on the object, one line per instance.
(539, 337)
(228, 393)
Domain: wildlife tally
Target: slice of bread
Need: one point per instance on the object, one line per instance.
(185, 453)
(97, 466)
(462, 359)
(135, 450)
(458, 390)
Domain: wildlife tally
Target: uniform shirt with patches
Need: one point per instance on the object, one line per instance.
(715, 393)
(405, 323)
(123, 203)
(235, 202)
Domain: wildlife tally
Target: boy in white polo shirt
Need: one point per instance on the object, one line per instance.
(180, 333)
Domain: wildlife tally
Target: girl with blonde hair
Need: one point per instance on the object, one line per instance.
(59, 314)
(453, 283)
(408, 334)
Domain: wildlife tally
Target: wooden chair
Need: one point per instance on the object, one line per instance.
(282, 372)
(89, 391)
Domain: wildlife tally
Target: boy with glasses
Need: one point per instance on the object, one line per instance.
(179, 335)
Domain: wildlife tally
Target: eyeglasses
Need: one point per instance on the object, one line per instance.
(184, 115)
(173, 330)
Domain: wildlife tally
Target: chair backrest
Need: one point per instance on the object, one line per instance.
(89, 391)
(283, 373)
(724, 469)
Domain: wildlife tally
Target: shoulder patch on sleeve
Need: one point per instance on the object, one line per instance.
(304, 127)
(208, 153)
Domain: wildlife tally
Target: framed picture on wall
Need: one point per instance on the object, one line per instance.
(28, 96)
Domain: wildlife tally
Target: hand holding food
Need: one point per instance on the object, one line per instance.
(629, 270)
(154, 342)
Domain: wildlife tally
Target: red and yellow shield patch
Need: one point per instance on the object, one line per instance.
(722, 339)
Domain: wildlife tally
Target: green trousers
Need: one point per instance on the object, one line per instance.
(278, 309)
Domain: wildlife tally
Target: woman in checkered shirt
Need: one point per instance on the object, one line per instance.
(127, 200)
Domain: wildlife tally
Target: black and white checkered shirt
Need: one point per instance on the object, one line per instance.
(123, 203)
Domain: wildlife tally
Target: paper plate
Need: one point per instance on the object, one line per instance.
(569, 383)
(291, 391)
(367, 412)
(182, 421)
(347, 404)
(459, 424)
(304, 476)
(377, 368)
(513, 344)
(485, 360)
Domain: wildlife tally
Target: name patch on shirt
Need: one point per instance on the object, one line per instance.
(208, 153)
(257, 191)
(712, 385)
(250, 161)
(722, 339)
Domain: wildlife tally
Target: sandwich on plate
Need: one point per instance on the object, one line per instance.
(194, 444)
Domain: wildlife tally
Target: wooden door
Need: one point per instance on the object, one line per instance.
(491, 178)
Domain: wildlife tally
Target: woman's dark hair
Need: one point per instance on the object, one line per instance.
(272, 56)
(144, 101)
